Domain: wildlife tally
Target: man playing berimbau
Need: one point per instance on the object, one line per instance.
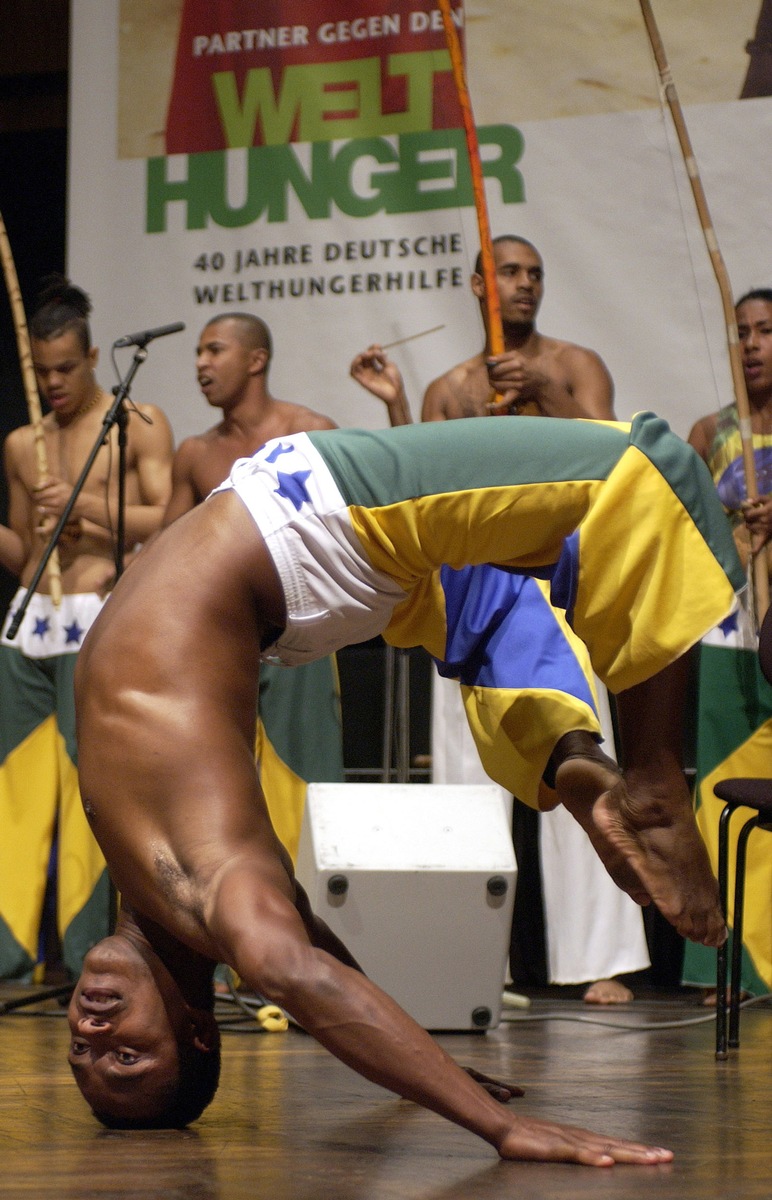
(323, 539)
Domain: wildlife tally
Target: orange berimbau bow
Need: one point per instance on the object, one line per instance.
(495, 332)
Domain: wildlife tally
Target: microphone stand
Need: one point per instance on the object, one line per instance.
(396, 723)
(118, 415)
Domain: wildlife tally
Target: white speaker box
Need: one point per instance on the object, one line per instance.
(418, 881)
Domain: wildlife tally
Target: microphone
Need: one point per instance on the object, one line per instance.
(147, 335)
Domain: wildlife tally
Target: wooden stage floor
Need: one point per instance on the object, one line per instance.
(291, 1123)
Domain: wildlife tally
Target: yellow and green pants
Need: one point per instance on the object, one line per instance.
(40, 805)
(621, 520)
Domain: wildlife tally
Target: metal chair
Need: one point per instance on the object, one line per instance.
(755, 794)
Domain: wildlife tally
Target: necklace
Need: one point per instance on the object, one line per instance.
(84, 408)
(61, 440)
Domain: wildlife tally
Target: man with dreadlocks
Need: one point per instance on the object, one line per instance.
(44, 831)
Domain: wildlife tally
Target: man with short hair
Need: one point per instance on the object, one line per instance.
(318, 540)
(601, 934)
(534, 374)
(233, 358)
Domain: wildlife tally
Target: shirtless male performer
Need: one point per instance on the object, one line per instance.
(323, 539)
(38, 762)
(602, 934)
(535, 374)
(233, 359)
(728, 678)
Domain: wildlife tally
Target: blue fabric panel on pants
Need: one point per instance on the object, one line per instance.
(502, 633)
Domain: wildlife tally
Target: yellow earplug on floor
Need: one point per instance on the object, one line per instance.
(272, 1019)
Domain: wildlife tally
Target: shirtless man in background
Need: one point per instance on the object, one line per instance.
(233, 358)
(535, 374)
(232, 363)
(36, 667)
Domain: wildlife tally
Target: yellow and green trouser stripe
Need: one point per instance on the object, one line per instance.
(40, 803)
(623, 519)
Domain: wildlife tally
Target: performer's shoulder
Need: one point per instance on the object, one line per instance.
(150, 425)
(17, 442)
(459, 392)
(703, 433)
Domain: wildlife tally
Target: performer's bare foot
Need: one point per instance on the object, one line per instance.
(645, 834)
(607, 991)
(710, 996)
(542, 1141)
(583, 773)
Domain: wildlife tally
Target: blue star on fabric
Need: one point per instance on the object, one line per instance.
(277, 450)
(729, 624)
(42, 627)
(293, 487)
(73, 633)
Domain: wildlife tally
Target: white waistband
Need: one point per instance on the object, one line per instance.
(47, 631)
(333, 594)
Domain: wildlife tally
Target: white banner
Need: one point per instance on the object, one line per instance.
(289, 159)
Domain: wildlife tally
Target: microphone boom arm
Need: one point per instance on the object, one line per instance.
(142, 338)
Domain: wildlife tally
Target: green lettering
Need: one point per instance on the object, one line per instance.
(510, 144)
(405, 190)
(311, 97)
(277, 168)
(332, 92)
(420, 68)
(344, 183)
(194, 191)
(220, 209)
(363, 176)
(239, 118)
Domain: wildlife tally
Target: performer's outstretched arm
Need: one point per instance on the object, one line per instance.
(262, 935)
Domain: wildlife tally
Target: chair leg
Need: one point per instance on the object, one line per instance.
(722, 954)
(737, 934)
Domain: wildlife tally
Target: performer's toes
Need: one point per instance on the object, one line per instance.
(607, 991)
